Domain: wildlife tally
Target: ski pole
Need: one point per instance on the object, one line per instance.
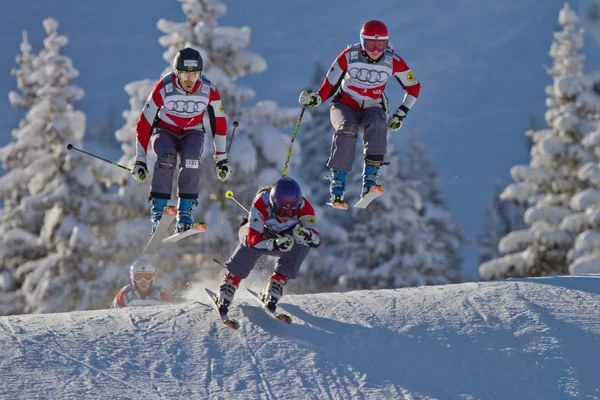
(229, 195)
(289, 153)
(71, 147)
(235, 125)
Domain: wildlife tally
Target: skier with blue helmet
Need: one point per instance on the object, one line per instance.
(281, 223)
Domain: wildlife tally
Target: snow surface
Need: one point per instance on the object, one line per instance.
(480, 65)
(517, 339)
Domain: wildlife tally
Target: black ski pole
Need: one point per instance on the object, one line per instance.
(71, 147)
(235, 125)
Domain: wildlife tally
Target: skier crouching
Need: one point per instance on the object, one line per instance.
(281, 223)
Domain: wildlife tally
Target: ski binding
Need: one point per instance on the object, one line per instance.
(280, 316)
(233, 324)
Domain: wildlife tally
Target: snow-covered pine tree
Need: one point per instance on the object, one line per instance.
(550, 182)
(406, 237)
(497, 223)
(420, 177)
(51, 223)
(25, 76)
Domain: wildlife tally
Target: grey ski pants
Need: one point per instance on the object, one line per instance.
(244, 257)
(167, 145)
(347, 123)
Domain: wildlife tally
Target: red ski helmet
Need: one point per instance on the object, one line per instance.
(374, 30)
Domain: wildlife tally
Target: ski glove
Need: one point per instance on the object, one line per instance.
(284, 243)
(222, 167)
(396, 122)
(309, 98)
(303, 236)
(140, 169)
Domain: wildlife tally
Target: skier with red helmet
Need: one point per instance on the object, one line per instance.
(281, 223)
(356, 81)
(172, 117)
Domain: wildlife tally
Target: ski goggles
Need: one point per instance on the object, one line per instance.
(188, 76)
(286, 211)
(375, 46)
(143, 276)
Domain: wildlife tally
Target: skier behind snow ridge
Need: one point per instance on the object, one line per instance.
(281, 223)
(172, 117)
(141, 291)
(356, 80)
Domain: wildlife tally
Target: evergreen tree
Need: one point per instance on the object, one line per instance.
(549, 183)
(406, 237)
(52, 224)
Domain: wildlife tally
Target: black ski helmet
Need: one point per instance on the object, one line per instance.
(188, 60)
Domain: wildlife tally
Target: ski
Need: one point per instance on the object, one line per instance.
(169, 214)
(280, 316)
(373, 193)
(233, 324)
(198, 227)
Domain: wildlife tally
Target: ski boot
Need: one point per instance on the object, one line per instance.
(226, 292)
(273, 292)
(370, 175)
(156, 211)
(337, 188)
(184, 214)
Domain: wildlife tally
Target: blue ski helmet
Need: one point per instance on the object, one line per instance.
(286, 197)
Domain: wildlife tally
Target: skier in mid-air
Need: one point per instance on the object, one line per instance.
(172, 118)
(141, 291)
(356, 80)
(281, 223)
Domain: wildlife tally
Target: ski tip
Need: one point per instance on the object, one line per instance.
(200, 226)
(232, 324)
(338, 205)
(285, 318)
(378, 189)
(170, 210)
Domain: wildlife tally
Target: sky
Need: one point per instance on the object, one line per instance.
(480, 66)
(535, 338)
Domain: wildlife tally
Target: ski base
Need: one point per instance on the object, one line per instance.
(169, 214)
(198, 227)
(280, 316)
(233, 324)
(373, 193)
